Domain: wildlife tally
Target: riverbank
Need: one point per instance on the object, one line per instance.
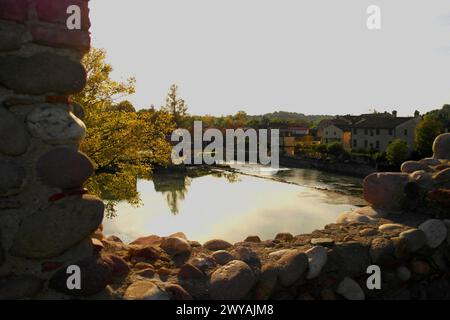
(358, 170)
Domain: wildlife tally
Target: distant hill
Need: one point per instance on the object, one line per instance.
(294, 117)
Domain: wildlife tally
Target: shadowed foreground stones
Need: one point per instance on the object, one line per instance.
(19, 287)
(42, 73)
(317, 258)
(96, 274)
(232, 281)
(386, 190)
(217, 244)
(441, 146)
(11, 178)
(292, 266)
(64, 168)
(145, 290)
(176, 246)
(14, 138)
(350, 289)
(415, 239)
(351, 258)
(51, 231)
(435, 232)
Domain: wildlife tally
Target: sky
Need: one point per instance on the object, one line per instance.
(260, 56)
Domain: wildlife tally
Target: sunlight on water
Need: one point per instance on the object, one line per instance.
(210, 207)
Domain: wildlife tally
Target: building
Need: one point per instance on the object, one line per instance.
(370, 131)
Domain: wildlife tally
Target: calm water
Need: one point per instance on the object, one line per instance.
(232, 206)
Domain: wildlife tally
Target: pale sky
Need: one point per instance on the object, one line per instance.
(309, 56)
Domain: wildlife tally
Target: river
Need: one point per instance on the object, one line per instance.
(231, 206)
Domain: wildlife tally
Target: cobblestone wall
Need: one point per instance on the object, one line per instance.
(46, 217)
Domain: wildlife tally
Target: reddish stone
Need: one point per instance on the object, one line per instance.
(56, 11)
(148, 252)
(49, 266)
(16, 10)
(440, 196)
(148, 241)
(61, 37)
(58, 99)
(177, 292)
(117, 264)
(188, 271)
(97, 244)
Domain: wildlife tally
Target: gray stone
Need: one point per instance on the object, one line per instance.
(441, 146)
(411, 166)
(19, 287)
(52, 230)
(415, 239)
(232, 281)
(64, 168)
(403, 273)
(435, 232)
(55, 125)
(222, 257)
(12, 178)
(14, 138)
(11, 36)
(317, 258)
(350, 290)
(176, 246)
(145, 290)
(96, 274)
(293, 266)
(216, 244)
(42, 73)
(386, 190)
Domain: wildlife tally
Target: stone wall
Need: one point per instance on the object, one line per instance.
(46, 217)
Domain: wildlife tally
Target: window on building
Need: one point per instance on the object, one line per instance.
(365, 131)
(378, 132)
(335, 133)
(371, 145)
(371, 133)
(406, 132)
(377, 144)
(326, 132)
(355, 143)
(355, 131)
(391, 132)
(366, 143)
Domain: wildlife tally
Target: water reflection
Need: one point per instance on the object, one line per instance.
(207, 204)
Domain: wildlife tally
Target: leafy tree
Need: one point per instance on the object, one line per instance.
(397, 152)
(122, 143)
(427, 130)
(176, 106)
